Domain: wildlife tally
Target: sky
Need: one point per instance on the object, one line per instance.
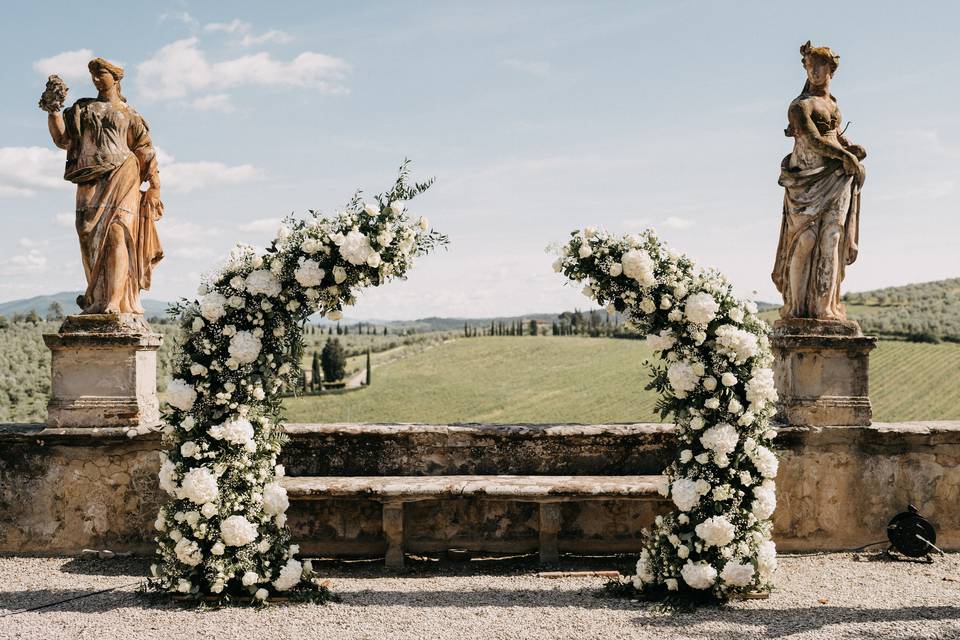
(535, 118)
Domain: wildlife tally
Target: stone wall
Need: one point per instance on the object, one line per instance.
(62, 490)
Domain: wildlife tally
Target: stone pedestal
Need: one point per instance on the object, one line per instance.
(104, 372)
(822, 372)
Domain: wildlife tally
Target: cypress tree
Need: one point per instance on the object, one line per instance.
(315, 372)
(369, 368)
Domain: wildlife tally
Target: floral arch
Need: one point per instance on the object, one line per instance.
(223, 533)
(715, 380)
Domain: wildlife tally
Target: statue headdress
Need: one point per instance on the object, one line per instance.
(826, 54)
(100, 64)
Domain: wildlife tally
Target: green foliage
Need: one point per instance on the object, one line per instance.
(923, 312)
(333, 361)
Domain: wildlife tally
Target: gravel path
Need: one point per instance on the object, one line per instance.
(828, 596)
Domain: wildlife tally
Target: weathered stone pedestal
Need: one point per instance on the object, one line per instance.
(822, 372)
(104, 372)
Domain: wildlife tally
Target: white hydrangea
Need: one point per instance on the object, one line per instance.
(682, 376)
(199, 486)
(685, 494)
(263, 282)
(239, 431)
(761, 388)
(275, 499)
(698, 575)
(188, 552)
(721, 438)
(643, 567)
(289, 575)
(309, 274)
(764, 500)
(661, 342)
(701, 308)
(237, 531)
(245, 347)
(213, 306)
(716, 531)
(356, 248)
(766, 559)
(167, 475)
(736, 343)
(638, 265)
(737, 574)
(764, 460)
(181, 394)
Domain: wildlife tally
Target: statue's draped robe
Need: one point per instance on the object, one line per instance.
(821, 208)
(109, 155)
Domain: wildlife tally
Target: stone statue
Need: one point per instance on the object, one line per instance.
(109, 155)
(821, 207)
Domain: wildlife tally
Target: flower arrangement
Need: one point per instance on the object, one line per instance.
(715, 380)
(223, 533)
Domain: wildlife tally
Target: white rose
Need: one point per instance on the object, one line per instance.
(167, 475)
(396, 207)
(647, 306)
(737, 574)
(423, 223)
(289, 575)
(208, 510)
(261, 594)
(374, 260)
(699, 575)
(213, 306)
(639, 265)
(189, 449)
(339, 274)
(249, 578)
(355, 248)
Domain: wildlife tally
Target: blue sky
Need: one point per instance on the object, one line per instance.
(535, 117)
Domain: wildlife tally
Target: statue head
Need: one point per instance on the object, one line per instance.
(820, 62)
(105, 75)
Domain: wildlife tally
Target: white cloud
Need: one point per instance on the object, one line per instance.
(214, 102)
(23, 170)
(676, 222)
(31, 262)
(69, 65)
(180, 16)
(273, 35)
(234, 26)
(532, 67)
(181, 68)
(261, 225)
(239, 27)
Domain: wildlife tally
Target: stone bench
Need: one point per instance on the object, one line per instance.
(393, 492)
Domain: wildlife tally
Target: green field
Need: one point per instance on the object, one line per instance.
(590, 380)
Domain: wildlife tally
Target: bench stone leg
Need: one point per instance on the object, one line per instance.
(393, 531)
(549, 529)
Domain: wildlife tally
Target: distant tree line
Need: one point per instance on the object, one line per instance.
(593, 324)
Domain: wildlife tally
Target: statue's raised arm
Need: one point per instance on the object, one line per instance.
(109, 154)
(822, 178)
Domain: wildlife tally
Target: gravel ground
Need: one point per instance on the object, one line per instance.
(824, 596)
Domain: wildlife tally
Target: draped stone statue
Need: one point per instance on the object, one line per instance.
(109, 155)
(821, 359)
(821, 207)
(103, 361)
